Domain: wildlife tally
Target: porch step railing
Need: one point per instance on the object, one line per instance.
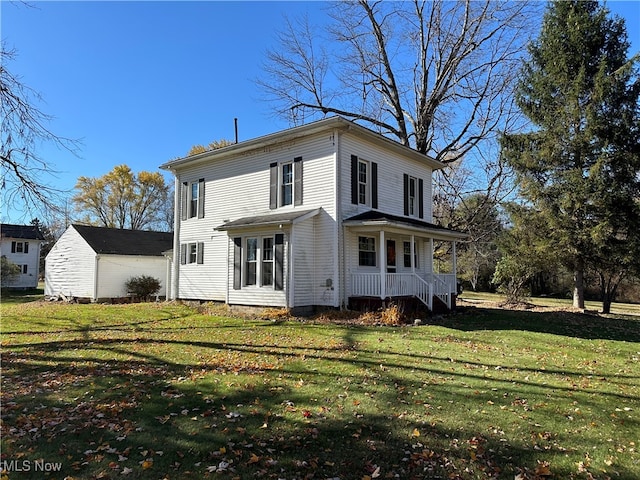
(403, 284)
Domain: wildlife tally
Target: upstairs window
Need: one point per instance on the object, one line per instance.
(285, 180)
(413, 196)
(286, 188)
(364, 182)
(413, 189)
(19, 247)
(193, 199)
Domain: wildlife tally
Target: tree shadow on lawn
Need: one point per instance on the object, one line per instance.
(100, 417)
(588, 326)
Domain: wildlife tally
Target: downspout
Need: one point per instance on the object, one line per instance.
(95, 279)
(175, 281)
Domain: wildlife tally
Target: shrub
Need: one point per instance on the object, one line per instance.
(143, 286)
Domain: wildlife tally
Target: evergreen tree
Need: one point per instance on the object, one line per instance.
(580, 167)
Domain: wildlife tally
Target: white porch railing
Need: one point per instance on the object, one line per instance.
(403, 285)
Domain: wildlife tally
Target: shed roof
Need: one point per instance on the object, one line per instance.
(116, 241)
(279, 218)
(374, 218)
(30, 232)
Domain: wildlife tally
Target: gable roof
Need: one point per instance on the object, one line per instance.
(373, 218)
(116, 241)
(326, 124)
(30, 232)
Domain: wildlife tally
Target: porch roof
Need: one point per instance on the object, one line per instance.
(287, 218)
(378, 220)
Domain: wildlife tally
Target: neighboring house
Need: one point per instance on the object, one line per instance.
(95, 262)
(21, 246)
(320, 215)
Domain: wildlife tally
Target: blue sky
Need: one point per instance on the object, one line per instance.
(141, 82)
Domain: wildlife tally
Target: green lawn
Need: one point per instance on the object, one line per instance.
(159, 391)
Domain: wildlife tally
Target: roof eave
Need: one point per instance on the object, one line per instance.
(297, 132)
(437, 233)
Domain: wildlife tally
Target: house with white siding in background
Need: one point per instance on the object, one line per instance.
(327, 214)
(94, 263)
(20, 245)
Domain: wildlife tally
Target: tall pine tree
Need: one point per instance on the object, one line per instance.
(580, 167)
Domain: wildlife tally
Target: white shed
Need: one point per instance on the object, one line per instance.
(95, 262)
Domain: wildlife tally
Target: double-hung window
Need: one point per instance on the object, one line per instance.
(286, 184)
(192, 253)
(407, 255)
(413, 196)
(251, 268)
(19, 247)
(267, 261)
(413, 190)
(193, 199)
(364, 182)
(367, 251)
(285, 181)
(259, 261)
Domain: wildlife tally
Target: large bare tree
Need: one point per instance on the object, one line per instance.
(25, 177)
(437, 76)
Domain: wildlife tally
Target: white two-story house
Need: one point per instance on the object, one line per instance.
(20, 245)
(320, 215)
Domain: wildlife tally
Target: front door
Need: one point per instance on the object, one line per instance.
(391, 256)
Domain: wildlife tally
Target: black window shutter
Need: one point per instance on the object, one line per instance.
(13, 247)
(201, 198)
(237, 263)
(273, 185)
(278, 284)
(420, 198)
(297, 176)
(185, 200)
(183, 253)
(200, 253)
(354, 179)
(406, 194)
(26, 247)
(374, 185)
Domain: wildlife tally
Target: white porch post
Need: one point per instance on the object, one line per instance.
(454, 259)
(413, 255)
(431, 254)
(382, 263)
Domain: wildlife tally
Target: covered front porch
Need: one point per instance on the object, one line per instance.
(392, 257)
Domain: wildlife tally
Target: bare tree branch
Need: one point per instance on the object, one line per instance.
(23, 173)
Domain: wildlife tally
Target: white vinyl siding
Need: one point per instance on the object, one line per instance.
(25, 254)
(115, 270)
(70, 267)
(239, 186)
(391, 168)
